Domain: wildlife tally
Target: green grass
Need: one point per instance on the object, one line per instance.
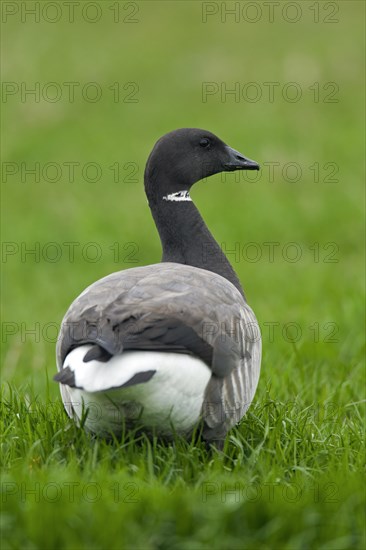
(288, 477)
(292, 473)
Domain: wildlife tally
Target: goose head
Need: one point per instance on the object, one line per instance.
(182, 157)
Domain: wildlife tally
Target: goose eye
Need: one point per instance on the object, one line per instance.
(204, 142)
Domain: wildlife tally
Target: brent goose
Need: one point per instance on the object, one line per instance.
(166, 346)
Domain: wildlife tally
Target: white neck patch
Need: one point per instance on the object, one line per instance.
(178, 197)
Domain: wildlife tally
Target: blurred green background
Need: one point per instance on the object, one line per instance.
(162, 54)
(169, 53)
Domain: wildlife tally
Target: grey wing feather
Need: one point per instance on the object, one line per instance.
(227, 400)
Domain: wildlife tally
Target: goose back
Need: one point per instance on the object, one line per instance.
(186, 310)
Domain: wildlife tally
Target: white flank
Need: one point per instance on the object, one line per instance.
(173, 397)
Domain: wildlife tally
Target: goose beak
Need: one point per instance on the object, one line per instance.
(236, 161)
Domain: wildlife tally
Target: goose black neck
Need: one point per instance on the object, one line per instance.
(186, 239)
